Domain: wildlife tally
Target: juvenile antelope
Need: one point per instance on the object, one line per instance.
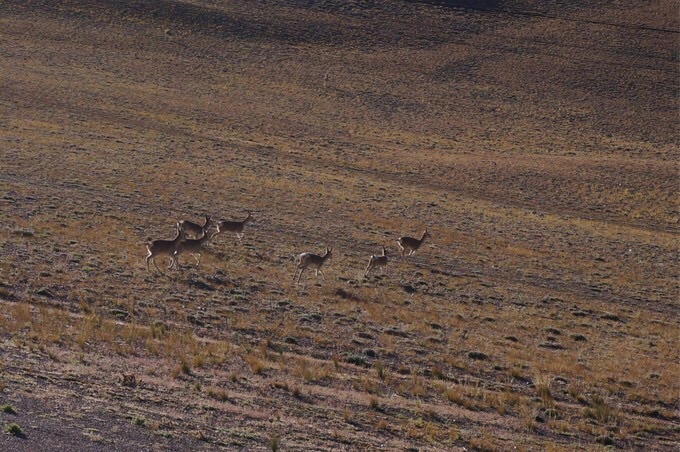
(195, 229)
(193, 247)
(167, 248)
(305, 260)
(233, 226)
(411, 244)
(376, 261)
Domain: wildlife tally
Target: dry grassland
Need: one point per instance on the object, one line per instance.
(537, 142)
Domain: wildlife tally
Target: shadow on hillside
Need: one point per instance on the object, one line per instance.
(486, 5)
(201, 18)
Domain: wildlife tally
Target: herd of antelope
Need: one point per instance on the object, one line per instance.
(192, 236)
(183, 244)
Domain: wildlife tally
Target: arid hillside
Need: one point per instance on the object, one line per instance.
(537, 142)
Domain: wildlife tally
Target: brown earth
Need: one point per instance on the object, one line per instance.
(537, 142)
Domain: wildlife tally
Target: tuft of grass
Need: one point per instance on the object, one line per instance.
(483, 443)
(310, 372)
(14, 429)
(256, 364)
(129, 380)
(599, 410)
(419, 387)
(182, 368)
(437, 372)
(201, 436)
(9, 409)
(542, 385)
(455, 395)
(217, 393)
(139, 421)
(296, 391)
(280, 385)
(199, 360)
(274, 443)
(380, 370)
(496, 401)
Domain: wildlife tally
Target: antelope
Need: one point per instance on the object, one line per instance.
(233, 226)
(305, 260)
(167, 248)
(193, 247)
(411, 244)
(376, 261)
(195, 229)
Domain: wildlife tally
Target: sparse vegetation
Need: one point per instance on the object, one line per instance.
(9, 409)
(380, 370)
(274, 443)
(257, 365)
(14, 429)
(139, 421)
(599, 410)
(218, 393)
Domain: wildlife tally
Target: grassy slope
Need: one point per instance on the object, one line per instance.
(540, 150)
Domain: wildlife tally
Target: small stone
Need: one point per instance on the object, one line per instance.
(605, 440)
(370, 353)
(612, 317)
(364, 335)
(119, 313)
(478, 356)
(409, 288)
(24, 232)
(356, 360)
(45, 292)
(195, 320)
(552, 345)
(396, 332)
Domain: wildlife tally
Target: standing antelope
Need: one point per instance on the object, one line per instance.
(233, 226)
(411, 244)
(167, 248)
(376, 261)
(305, 260)
(195, 229)
(193, 247)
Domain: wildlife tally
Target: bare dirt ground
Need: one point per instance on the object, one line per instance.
(537, 142)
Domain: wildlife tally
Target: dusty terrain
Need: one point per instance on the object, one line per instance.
(537, 141)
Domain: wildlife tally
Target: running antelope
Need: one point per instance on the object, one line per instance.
(233, 226)
(193, 247)
(305, 260)
(411, 244)
(167, 248)
(376, 261)
(195, 229)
